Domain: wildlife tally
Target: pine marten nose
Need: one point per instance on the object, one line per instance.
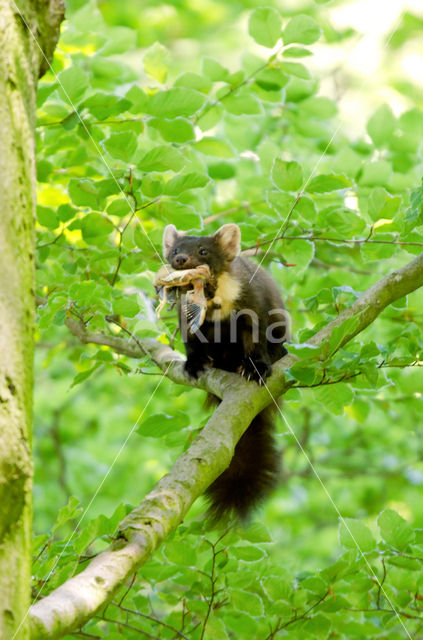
(180, 259)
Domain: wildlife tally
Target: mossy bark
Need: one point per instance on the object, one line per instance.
(20, 66)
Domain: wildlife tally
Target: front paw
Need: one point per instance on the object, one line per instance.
(193, 368)
(256, 369)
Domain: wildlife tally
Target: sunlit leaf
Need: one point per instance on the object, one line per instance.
(265, 26)
(303, 29)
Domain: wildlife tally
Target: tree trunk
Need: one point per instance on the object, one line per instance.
(21, 61)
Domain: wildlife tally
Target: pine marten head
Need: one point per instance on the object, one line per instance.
(188, 252)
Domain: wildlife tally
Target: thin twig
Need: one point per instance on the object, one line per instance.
(128, 626)
(379, 591)
(232, 90)
(213, 580)
(88, 122)
(151, 618)
(296, 618)
(339, 240)
(131, 584)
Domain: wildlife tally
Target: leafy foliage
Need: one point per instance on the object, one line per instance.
(140, 127)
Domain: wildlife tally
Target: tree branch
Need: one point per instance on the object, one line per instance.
(80, 598)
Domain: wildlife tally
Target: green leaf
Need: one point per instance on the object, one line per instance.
(265, 26)
(85, 193)
(121, 145)
(138, 99)
(126, 305)
(123, 39)
(84, 375)
(304, 350)
(180, 552)
(175, 130)
(94, 224)
(239, 104)
(299, 89)
(216, 629)
(108, 72)
(339, 333)
(83, 292)
(214, 147)
(174, 102)
(194, 81)
(271, 79)
(412, 122)
(382, 204)
(305, 374)
(299, 254)
(315, 584)
(246, 601)
(119, 207)
(375, 173)
(379, 251)
(255, 532)
(70, 511)
(221, 170)
(73, 84)
(414, 213)
(214, 70)
(287, 175)
(47, 217)
(303, 29)
(183, 216)
(161, 158)
(66, 212)
(296, 69)
(354, 534)
(324, 183)
(281, 201)
(248, 553)
(345, 222)
(318, 626)
(156, 62)
(381, 126)
(161, 424)
(394, 529)
(296, 52)
(44, 170)
(106, 105)
(319, 107)
(334, 400)
(186, 181)
(306, 208)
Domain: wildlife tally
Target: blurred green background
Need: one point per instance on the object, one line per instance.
(347, 102)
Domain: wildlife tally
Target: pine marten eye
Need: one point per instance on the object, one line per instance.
(203, 252)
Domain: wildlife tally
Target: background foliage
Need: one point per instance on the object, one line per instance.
(199, 114)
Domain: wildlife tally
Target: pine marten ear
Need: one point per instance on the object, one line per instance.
(229, 239)
(170, 236)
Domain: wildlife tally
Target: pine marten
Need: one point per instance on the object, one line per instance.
(243, 331)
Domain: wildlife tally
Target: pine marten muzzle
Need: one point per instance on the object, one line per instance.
(243, 331)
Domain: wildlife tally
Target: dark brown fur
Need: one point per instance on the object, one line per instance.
(237, 285)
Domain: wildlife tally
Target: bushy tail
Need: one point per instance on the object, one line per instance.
(251, 475)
